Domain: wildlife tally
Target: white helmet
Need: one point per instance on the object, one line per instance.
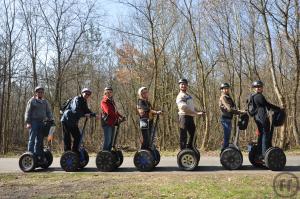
(86, 90)
(141, 90)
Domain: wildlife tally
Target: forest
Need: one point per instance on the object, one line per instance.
(66, 45)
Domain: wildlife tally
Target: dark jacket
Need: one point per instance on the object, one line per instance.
(227, 106)
(108, 107)
(146, 107)
(78, 108)
(262, 105)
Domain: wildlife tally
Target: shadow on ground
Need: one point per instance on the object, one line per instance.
(199, 169)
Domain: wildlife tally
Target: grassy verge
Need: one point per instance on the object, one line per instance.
(142, 185)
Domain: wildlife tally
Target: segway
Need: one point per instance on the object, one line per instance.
(231, 157)
(274, 158)
(189, 157)
(29, 161)
(111, 160)
(148, 159)
(71, 161)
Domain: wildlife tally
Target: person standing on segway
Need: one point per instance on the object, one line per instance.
(261, 118)
(228, 109)
(110, 117)
(37, 111)
(186, 112)
(78, 108)
(146, 113)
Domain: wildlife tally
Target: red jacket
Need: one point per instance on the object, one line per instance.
(108, 106)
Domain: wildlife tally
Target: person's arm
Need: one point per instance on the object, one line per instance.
(182, 105)
(48, 111)
(142, 108)
(227, 107)
(28, 112)
(105, 108)
(261, 100)
(84, 106)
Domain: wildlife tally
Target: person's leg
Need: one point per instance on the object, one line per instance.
(66, 137)
(191, 128)
(112, 132)
(182, 132)
(32, 137)
(39, 140)
(260, 138)
(107, 137)
(226, 123)
(146, 138)
(75, 132)
(265, 141)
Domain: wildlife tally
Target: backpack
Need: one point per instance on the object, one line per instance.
(251, 106)
(243, 121)
(278, 117)
(65, 106)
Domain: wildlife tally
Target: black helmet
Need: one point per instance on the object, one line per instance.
(224, 85)
(39, 88)
(108, 88)
(257, 83)
(183, 80)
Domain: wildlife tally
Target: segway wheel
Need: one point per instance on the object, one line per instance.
(187, 160)
(253, 157)
(69, 161)
(156, 156)
(197, 155)
(275, 159)
(143, 160)
(106, 161)
(83, 159)
(27, 162)
(49, 157)
(120, 158)
(231, 159)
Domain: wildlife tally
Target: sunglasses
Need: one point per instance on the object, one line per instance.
(88, 94)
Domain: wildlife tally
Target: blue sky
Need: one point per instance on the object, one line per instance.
(114, 12)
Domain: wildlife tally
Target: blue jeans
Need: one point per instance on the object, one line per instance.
(264, 140)
(35, 143)
(108, 136)
(226, 123)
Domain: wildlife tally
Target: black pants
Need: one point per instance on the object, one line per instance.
(68, 131)
(186, 125)
(146, 133)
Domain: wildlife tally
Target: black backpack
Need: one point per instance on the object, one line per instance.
(278, 117)
(243, 121)
(65, 106)
(251, 106)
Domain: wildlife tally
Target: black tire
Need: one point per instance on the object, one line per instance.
(49, 157)
(275, 159)
(27, 162)
(187, 160)
(197, 155)
(69, 161)
(231, 159)
(156, 157)
(120, 158)
(253, 157)
(143, 160)
(106, 161)
(83, 159)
